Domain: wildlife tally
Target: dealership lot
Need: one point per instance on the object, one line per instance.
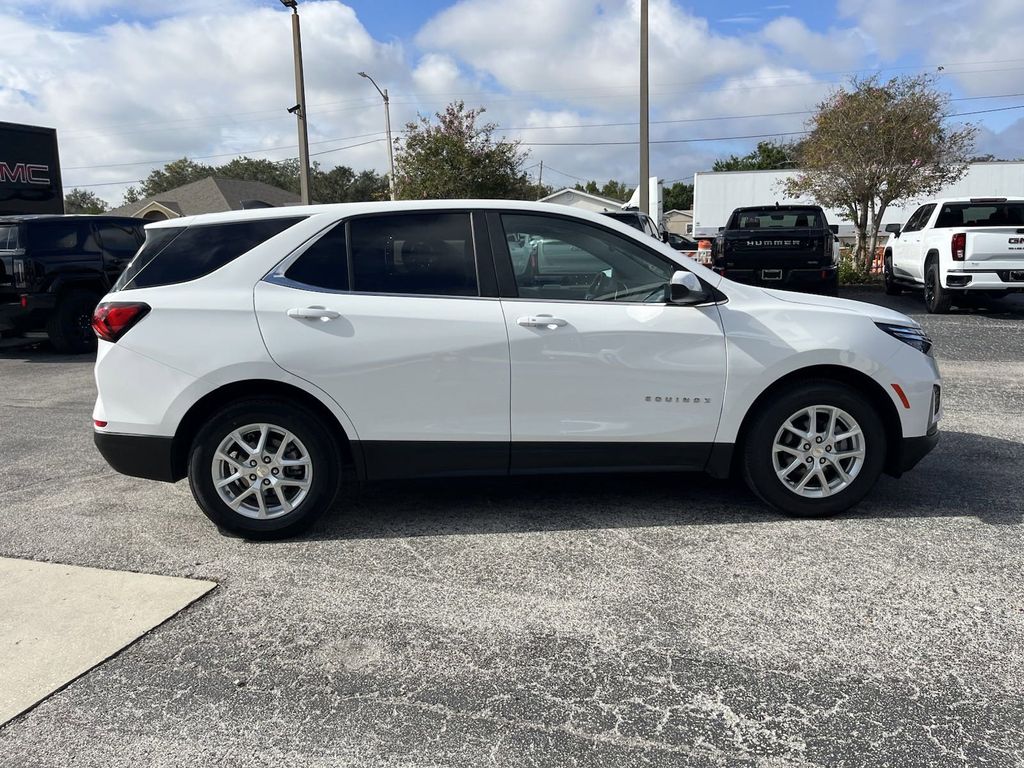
(626, 620)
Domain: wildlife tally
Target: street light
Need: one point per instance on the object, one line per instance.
(387, 127)
(299, 110)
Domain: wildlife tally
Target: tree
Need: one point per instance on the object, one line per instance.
(876, 144)
(612, 189)
(283, 174)
(678, 197)
(132, 195)
(457, 158)
(84, 201)
(173, 175)
(768, 156)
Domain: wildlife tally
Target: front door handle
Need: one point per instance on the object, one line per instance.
(542, 321)
(314, 313)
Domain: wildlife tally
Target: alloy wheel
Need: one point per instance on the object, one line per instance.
(262, 471)
(818, 451)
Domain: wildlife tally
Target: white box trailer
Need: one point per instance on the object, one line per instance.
(717, 193)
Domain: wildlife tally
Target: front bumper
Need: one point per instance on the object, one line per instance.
(143, 456)
(912, 449)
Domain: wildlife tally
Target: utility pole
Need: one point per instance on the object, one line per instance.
(540, 179)
(645, 126)
(299, 110)
(387, 128)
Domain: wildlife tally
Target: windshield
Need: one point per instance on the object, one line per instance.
(981, 215)
(772, 218)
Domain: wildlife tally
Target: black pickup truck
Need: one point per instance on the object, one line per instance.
(779, 246)
(55, 269)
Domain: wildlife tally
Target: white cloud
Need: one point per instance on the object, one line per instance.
(152, 80)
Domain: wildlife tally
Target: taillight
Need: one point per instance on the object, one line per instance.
(959, 246)
(114, 319)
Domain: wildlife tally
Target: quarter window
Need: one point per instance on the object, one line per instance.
(555, 258)
(414, 253)
(177, 255)
(324, 264)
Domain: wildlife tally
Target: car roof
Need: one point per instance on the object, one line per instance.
(976, 199)
(15, 218)
(774, 207)
(344, 210)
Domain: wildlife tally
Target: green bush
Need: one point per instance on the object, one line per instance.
(853, 273)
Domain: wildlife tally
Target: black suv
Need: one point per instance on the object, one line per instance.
(55, 269)
(779, 246)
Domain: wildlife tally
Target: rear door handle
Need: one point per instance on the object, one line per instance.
(542, 321)
(314, 313)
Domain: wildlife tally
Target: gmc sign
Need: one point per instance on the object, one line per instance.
(29, 170)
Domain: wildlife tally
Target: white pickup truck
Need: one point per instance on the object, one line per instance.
(958, 248)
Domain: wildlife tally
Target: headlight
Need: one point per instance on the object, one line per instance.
(908, 334)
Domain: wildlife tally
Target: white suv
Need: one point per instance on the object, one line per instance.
(271, 356)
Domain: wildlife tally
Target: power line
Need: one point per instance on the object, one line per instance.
(223, 154)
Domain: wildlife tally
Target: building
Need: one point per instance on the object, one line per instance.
(679, 222)
(716, 194)
(579, 199)
(213, 194)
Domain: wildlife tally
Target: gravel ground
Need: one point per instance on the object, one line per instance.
(623, 620)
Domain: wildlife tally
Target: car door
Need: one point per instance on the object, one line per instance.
(605, 373)
(385, 314)
(907, 258)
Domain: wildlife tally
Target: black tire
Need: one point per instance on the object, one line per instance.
(830, 287)
(892, 288)
(323, 449)
(70, 325)
(757, 452)
(937, 300)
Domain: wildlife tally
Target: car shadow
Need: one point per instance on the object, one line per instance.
(912, 303)
(39, 351)
(966, 475)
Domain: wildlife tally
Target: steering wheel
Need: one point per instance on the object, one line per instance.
(603, 285)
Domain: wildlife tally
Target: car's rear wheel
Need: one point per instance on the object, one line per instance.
(264, 469)
(816, 450)
(70, 325)
(937, 299)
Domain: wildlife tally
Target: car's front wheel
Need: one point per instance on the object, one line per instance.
(815, 450)
(264, 469)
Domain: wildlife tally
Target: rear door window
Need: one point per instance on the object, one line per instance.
(120, 240)
(176, 255)
(324, 264)
(414, 253)
(55, 236)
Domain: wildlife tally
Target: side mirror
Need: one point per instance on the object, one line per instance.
(721, 229)
(664, 235)
(834, 228)
(685, 288)
(893, 229)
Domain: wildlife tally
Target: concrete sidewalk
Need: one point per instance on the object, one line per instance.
(59, 621)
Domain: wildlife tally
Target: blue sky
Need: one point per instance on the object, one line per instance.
(132, 83)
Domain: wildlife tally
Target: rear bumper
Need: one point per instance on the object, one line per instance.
(27, 316)
(781, 277)
(143, 456)
(986, 279)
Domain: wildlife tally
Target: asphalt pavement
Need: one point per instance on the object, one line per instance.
(636, 620)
